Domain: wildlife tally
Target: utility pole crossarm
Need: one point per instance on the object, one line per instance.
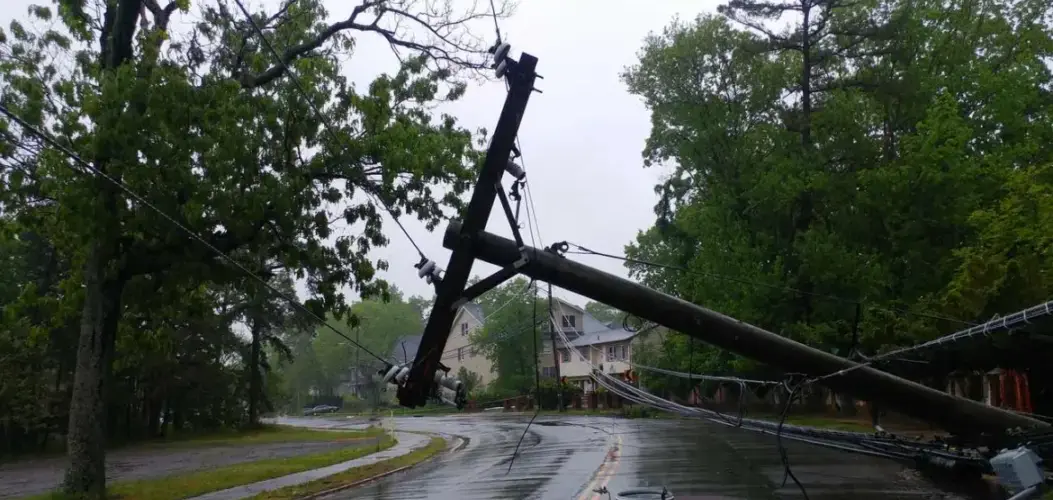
(958, 415)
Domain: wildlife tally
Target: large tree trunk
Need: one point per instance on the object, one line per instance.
(86, 438)
(255, 381)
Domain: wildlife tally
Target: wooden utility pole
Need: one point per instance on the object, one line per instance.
(555, 352)
(537, 354)
(520, 76)
(957, 415)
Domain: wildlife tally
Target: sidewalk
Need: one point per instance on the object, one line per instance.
(407, 443)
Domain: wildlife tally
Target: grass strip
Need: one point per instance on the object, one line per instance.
(191, 439)
(261, 435)
(352, 477)
(178, 486)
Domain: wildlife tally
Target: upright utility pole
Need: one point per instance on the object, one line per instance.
(555, 352)
(537, 354)
(358, 366)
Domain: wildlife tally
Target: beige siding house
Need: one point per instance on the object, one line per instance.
(459, 349)
(607, 346)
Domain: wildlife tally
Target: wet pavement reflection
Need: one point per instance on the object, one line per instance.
(570, 457)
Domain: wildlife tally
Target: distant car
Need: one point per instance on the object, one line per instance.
(317, 410)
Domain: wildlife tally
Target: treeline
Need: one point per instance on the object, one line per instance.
(116, 323)
(871, 175)
(328, 366)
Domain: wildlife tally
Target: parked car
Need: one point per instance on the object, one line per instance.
(320, 409)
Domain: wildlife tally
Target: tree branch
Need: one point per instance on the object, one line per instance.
(249, 80)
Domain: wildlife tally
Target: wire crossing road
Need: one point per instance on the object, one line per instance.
(566, 457)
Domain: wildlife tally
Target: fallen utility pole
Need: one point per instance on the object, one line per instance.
(450, 288)
(957, 415)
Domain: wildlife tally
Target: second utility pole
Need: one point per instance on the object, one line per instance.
(555, 352)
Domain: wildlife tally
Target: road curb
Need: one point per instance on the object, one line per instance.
(360, 482)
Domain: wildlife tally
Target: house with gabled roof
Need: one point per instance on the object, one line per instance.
(606, 346)
(460, 351)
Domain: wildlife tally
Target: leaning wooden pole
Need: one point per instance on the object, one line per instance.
(958, 415)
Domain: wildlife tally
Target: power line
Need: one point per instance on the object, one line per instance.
(318, 114)
(588, 251)
(499, 337)
(994, 325)
(95, 171)
(704, 377)
(497, 29)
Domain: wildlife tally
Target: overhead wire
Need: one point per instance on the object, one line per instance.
(171, 220)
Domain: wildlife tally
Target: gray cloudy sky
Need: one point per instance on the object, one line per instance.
(581, 138)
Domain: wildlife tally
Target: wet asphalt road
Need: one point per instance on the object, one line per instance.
(569, 457)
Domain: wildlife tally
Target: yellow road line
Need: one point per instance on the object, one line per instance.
(604, 472)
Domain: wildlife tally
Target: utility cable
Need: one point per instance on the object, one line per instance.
(991, 326)
(497, 29)
(787, 471)
(500, 337)
(318, 114)
(171, 220)
(712, 378)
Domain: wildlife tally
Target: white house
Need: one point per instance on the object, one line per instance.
(605, 346)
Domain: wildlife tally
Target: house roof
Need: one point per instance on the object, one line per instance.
(474, 309)
(595, 331)
(405, 348)
(603, 337)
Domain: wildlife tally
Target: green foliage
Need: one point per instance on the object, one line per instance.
(604, 313)
(470, 379)
(510, 334)
(204, 126)
(323, 362)
(808, 173)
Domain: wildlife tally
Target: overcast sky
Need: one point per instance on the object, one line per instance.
(581, 139)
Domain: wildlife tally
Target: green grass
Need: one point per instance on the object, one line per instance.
(203, 481)
(351, 476)
(262, 435)
(227, 437)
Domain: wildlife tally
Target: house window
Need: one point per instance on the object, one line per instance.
(460, 354)
(611, 353)
(625, 352)
(565, 355)
(464, 328)
(568, 322)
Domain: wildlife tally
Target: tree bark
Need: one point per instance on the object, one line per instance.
(86, 438)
